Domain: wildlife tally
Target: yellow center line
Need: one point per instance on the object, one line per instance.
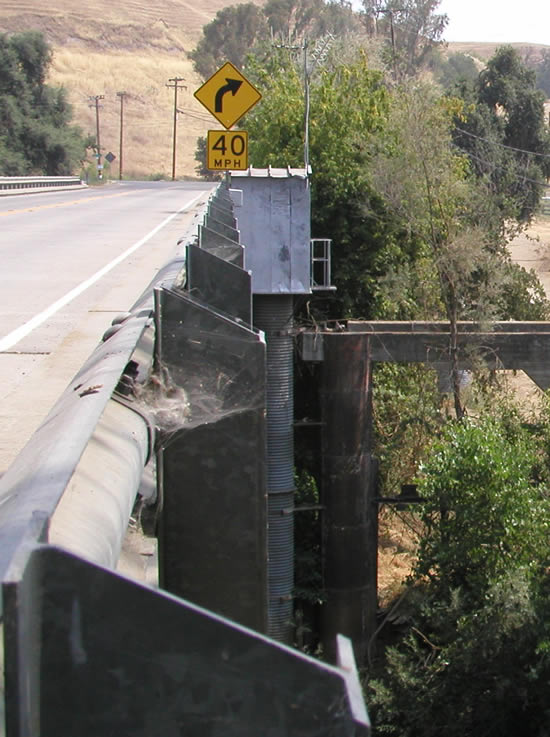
(64, 204)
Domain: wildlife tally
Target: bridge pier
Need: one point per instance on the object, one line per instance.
(348, 490)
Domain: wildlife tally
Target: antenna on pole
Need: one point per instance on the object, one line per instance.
(318, 56)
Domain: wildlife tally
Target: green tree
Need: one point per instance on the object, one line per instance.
(229, 37)
(412, 29)
(503, 130)
(349, 106)
(482, 515)
(294, 20)
(425, 182)
(543, 72)
(464, 271)
(454, 69)
(474, 658)
(35, 132)
(240, 30)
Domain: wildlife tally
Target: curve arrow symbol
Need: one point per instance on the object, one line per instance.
(231, 86)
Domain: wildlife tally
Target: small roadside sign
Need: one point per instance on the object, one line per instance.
(227, 150)
(110, 157)
(228, 95)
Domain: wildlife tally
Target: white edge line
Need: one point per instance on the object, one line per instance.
(21, 332)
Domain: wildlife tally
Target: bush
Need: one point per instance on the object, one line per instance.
(473, 656)
(482, 513)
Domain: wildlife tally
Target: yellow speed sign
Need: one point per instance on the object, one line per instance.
(227, 150)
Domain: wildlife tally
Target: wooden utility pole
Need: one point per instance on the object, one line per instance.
(96, 99)
(175, 86)
(122, 95)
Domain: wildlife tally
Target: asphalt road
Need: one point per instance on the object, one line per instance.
(70, 262)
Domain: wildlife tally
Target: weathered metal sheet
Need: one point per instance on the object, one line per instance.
(220, 284)
(350, 516)
(210, 221)
(222, 212)
(94, 653)
(274, 223)
(221, 246)
(214, 525)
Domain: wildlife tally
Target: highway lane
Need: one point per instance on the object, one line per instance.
(70, 262)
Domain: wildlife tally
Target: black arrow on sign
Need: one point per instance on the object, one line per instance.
(231, 86)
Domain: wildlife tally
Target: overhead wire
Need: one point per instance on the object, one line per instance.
(495, 166)
(502, 145)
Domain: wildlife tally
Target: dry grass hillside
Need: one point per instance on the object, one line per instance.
(484, 51)
(132, 46)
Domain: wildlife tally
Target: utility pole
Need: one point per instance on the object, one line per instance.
(122, 95)
(96, 99)
(175, 86)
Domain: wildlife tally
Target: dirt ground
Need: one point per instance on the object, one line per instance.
(532, 250)
(396, 536)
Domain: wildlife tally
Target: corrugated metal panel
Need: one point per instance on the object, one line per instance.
(281, 565)
(274, 315)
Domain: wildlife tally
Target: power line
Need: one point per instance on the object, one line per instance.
(494, 166)
(197, 116)
(502, 145)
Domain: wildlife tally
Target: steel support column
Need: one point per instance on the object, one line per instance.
(350, 519)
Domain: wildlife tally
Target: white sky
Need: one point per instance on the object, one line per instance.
(497, 20)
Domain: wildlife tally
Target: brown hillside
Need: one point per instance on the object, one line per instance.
(102, 47)
(64, 21)
(107, 46)
(484, 51)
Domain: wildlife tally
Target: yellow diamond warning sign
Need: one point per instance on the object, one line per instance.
(228, 95)
(227, 150)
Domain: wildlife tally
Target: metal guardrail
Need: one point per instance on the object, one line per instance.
(88, 651)
(27, 185)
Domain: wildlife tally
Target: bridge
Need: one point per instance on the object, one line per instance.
(180, 427)
(165, 421)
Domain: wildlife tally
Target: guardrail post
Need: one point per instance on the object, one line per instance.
(212, 537)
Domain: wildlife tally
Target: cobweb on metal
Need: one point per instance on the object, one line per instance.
(163, 400)
(181, 397)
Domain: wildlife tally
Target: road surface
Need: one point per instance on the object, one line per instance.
(70, 262)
